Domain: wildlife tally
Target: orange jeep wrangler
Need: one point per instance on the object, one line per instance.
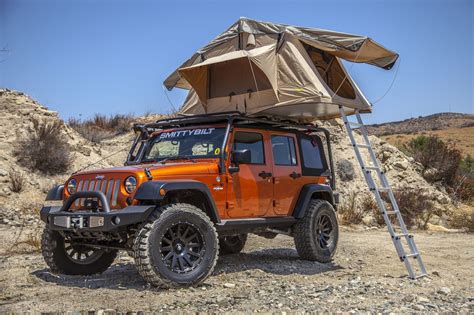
(191, 188)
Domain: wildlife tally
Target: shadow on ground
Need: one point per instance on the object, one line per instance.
(124, 276)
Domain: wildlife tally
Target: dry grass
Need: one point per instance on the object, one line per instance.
(349, 211)
(462, 137)
(101, 127)
(463, 218)
(17, 180)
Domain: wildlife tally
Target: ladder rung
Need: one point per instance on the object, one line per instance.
(383, 188)
(371, 167)
(402, 235)
(420, 276)
(391, 212)
(412, 255)
(355, 124)
(362, 146)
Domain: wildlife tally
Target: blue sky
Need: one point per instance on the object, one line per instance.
(104, 56)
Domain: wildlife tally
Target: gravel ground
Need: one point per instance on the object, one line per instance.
(267, 277)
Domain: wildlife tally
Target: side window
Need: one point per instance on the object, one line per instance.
(284, 152)
(311, 154)
(252, 141)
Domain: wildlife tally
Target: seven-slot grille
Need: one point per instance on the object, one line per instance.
(110, 187)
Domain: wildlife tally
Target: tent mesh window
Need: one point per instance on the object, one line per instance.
(331, 72)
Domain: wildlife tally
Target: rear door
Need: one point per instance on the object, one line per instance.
(250, 191)
(286, 172)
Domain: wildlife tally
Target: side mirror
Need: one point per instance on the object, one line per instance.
(241, 157)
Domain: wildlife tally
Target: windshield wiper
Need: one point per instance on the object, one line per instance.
(174, 158)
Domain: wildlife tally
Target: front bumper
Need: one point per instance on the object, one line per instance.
(100, 220)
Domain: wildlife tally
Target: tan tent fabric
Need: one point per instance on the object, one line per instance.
(272, 69)
(258, 64)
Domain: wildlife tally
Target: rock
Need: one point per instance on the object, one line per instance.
(436, 273)
(3, 173)
(345, 170)
(422, 299)
(418, 307)
(401, 164)
(444, 290)
(229, 285)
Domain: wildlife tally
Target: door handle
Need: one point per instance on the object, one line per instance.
(295, 175)
(264, 174)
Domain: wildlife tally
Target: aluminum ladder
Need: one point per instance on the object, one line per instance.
(367, 169)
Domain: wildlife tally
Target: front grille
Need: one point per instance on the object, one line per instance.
(110, 188)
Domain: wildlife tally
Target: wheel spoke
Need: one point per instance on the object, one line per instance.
(173, 262)
(187, 260)
(194, 254)
(180, 263)
(168, 256)
(167, 240)
(166, 248)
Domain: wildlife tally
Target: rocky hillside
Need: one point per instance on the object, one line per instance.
(420, 124)
(18, 111)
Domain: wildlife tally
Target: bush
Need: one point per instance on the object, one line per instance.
(17, 180)
(349, 212)
(369, 205)
(463, 219)
(101, 127)
(433, 154)
(416, 208)
(44, 150)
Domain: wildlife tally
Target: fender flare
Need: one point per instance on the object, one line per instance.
(306, 194)
(55, 193)
(151, 191)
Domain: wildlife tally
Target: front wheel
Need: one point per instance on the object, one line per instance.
(317, 233)
(65, 257)
(178, 246)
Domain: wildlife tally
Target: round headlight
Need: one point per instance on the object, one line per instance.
(130, 184)
(72, 186)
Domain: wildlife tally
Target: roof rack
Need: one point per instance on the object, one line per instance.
(233, 116)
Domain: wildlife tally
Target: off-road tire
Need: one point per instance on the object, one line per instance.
(306, 238)
(232, 244)
(57, 259)
(150, 259)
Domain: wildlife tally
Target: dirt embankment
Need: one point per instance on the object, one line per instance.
(267, 276)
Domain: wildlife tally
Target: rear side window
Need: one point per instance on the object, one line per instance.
(253, 142)
(314, 162)
(284, 152)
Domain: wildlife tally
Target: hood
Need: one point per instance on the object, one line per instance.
(169, 168)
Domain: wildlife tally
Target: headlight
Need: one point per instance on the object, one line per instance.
(72, 186)
(130, 184)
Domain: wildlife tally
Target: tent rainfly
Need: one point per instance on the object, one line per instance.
(268, 69)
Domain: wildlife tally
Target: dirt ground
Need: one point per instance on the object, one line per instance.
(268, 276)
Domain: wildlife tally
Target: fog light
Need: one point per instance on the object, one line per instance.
(116, 220)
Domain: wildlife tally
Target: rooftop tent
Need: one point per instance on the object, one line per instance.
(279, 70)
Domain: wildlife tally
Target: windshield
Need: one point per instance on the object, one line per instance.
(186, 143)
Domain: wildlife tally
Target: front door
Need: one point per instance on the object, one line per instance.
(250, 191)
(286, 172)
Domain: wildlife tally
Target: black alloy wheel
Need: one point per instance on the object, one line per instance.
(182, 247)
(324, 231)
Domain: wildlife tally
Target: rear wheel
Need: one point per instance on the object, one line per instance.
(232, 244)
(317, 233)
(178, 246)
(64, 256)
